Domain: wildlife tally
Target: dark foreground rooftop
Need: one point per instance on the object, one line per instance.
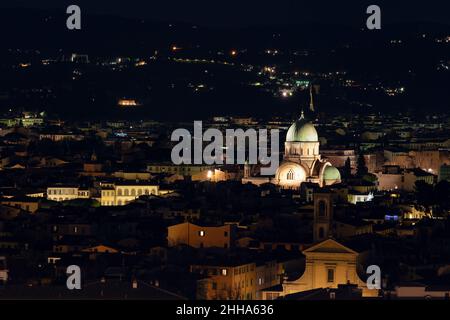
(108, 290)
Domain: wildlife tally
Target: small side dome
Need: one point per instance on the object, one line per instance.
(331, 174)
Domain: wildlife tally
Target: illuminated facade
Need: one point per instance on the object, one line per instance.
(183, 170)
(128, 103)
(123, 193)
(302, 161)
(328, 264)
(3, 270)
(395, 178)
(65, 193)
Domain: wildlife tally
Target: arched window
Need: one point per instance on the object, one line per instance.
(146, 192)
(126, 192)
(133, 192)
(139, 192)
(290, 175)
(119, 192)
(322, 208)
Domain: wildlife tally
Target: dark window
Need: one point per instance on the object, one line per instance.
(321, 233)
(322, 209)
(330, 275)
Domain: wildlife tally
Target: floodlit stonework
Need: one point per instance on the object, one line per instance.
(302, 160)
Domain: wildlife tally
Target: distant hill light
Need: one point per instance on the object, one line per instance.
(128, 103)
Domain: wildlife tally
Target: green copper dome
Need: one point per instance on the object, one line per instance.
(302, 131)
(331, 173)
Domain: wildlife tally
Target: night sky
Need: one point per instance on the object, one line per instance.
(252, 12)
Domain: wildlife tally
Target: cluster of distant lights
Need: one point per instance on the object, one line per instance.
(444, 40)
(175, 48)
(127, 103)
(394, 91)
(286, 93)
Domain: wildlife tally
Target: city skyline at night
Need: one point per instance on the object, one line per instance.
(258, 153)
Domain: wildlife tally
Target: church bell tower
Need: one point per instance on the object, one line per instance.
(323, 216)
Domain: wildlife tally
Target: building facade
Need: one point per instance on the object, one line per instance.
(201, 236)
(119, 194)
(302, 161)
(65, 193)
(328, 265)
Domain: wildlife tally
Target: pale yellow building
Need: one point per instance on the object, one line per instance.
(141, 176)
(66, 192)
(182, 170)
(119, 194)
(328, 264)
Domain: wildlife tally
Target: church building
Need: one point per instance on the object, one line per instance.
(328, 264)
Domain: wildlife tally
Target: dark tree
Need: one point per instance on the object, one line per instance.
(361, 168)
(424, 193)
(347, 171)
(442, 195)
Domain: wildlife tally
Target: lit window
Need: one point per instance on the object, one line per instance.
(201, 233)
(224, 272)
